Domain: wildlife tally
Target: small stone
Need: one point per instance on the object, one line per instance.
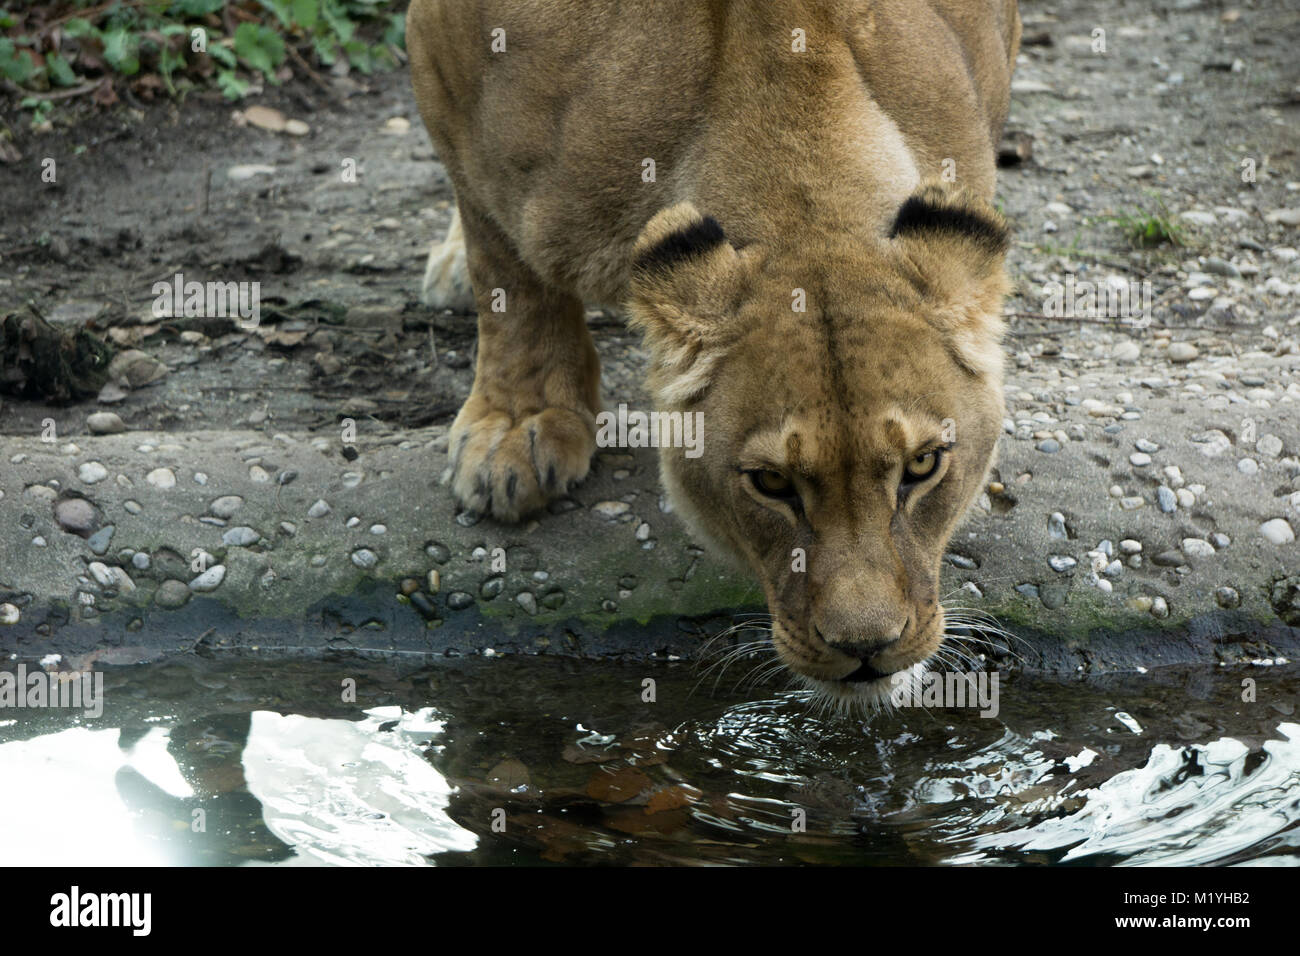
(1270, 446)
(319, 510)
(459, 600)
(1227, 597)
(1143, 444)
(364, 558)
(1114, 569)
(1166, 499)
(378, 529)
(527, 601)
(92, 472)
(1197, 548)
(1185, 498)
(1126, 352)
(1140, 603)
(1182, 352)
(422, 604)
(1220, 540)
(1139, 459)
(105, 423)
(1130, 546)
(434, 581)
(162, 478)
(76, 515)
(643, 531)
(240, 537)
(102, 574)
(9, 614)
(98, 542)
(210, 579)
(226, 506)
(961, 561)
(1132, 503)
(1049, 446)
(611, 509)
(132, 507)
(171, 594)
(1277, 531)
(1061, 562)
(492, 587)
(1159, 607)
(1169, 559)
(1248, 466)
(1056, 526)
(141, 561)
(438, 552)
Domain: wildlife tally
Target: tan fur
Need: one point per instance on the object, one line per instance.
(805, 159)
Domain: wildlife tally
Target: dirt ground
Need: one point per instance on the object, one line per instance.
(1183, 94)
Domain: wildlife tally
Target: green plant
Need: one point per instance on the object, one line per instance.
(1147, 229)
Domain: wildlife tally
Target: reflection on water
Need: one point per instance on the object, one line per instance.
(537, 761)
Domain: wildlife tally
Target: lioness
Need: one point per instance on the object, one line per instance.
(767, 187)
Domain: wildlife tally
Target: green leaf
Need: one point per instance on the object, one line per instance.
(60, 71)
(77, 28)
(231, 86)
(306, 13)
(280, 8)
(196, 8)
(120, 49)
(223, 55)
(14, 65)
(260, 48)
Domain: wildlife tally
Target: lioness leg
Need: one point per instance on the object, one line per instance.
(528, 429)
(446, 277)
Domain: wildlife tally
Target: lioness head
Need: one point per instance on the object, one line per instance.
(851, 391)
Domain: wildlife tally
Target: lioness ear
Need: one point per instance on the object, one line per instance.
(954, 246)
(685, 288)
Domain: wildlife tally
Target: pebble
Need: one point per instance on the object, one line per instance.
(132, 507)
(1145, 445)
(98, 542)
(240, 537)
(226, 506)
(961, 561)
(1160, 607)
(163, 478)
(434, 581)
(971, 588)
(1277, 531)
(1181, 352)
(1197, 548)
(92, 472)
(9, 614)
(527, 601)
(210, 579)
(1130, 546)
(1227, 597)
(1185, 497)
(364, 558)
(1049, 446)
(1126, 351)
(259, 474)
(319, 510)
(1061, 562)
(1169, 559)
(492, 587)
(1139, 459)
(75, 514)
(1166, 500)
(611, 509)
(1220, 540)
(105, 423)
(378, 529)
(1248, 466)
(1141, 603)
(172, 594)
(141, 561)
(459, 600)
(438, 552)
(1056, 526)
(1270, 446)
(1132, 503)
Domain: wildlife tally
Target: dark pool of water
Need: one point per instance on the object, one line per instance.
(547, 761)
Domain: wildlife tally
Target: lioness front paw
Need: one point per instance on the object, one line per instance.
(508, 469)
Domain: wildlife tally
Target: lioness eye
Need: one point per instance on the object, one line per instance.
(773, 484)
(922, 466)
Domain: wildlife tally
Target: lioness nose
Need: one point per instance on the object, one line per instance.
(860, 643)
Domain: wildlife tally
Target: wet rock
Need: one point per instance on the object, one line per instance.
(365, 558)
(492, 587)
(1227, 597)
(553, 600)
(528, 601)
(438, 552)
(9, 614)
(1169, 559)
(459, 600)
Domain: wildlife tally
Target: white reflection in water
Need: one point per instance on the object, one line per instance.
(60, 804)
(1184, 807)
(345, 792)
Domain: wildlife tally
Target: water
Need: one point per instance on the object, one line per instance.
(548, 761)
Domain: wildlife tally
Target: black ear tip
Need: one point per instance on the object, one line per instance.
(924, 213)
(688, 242)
